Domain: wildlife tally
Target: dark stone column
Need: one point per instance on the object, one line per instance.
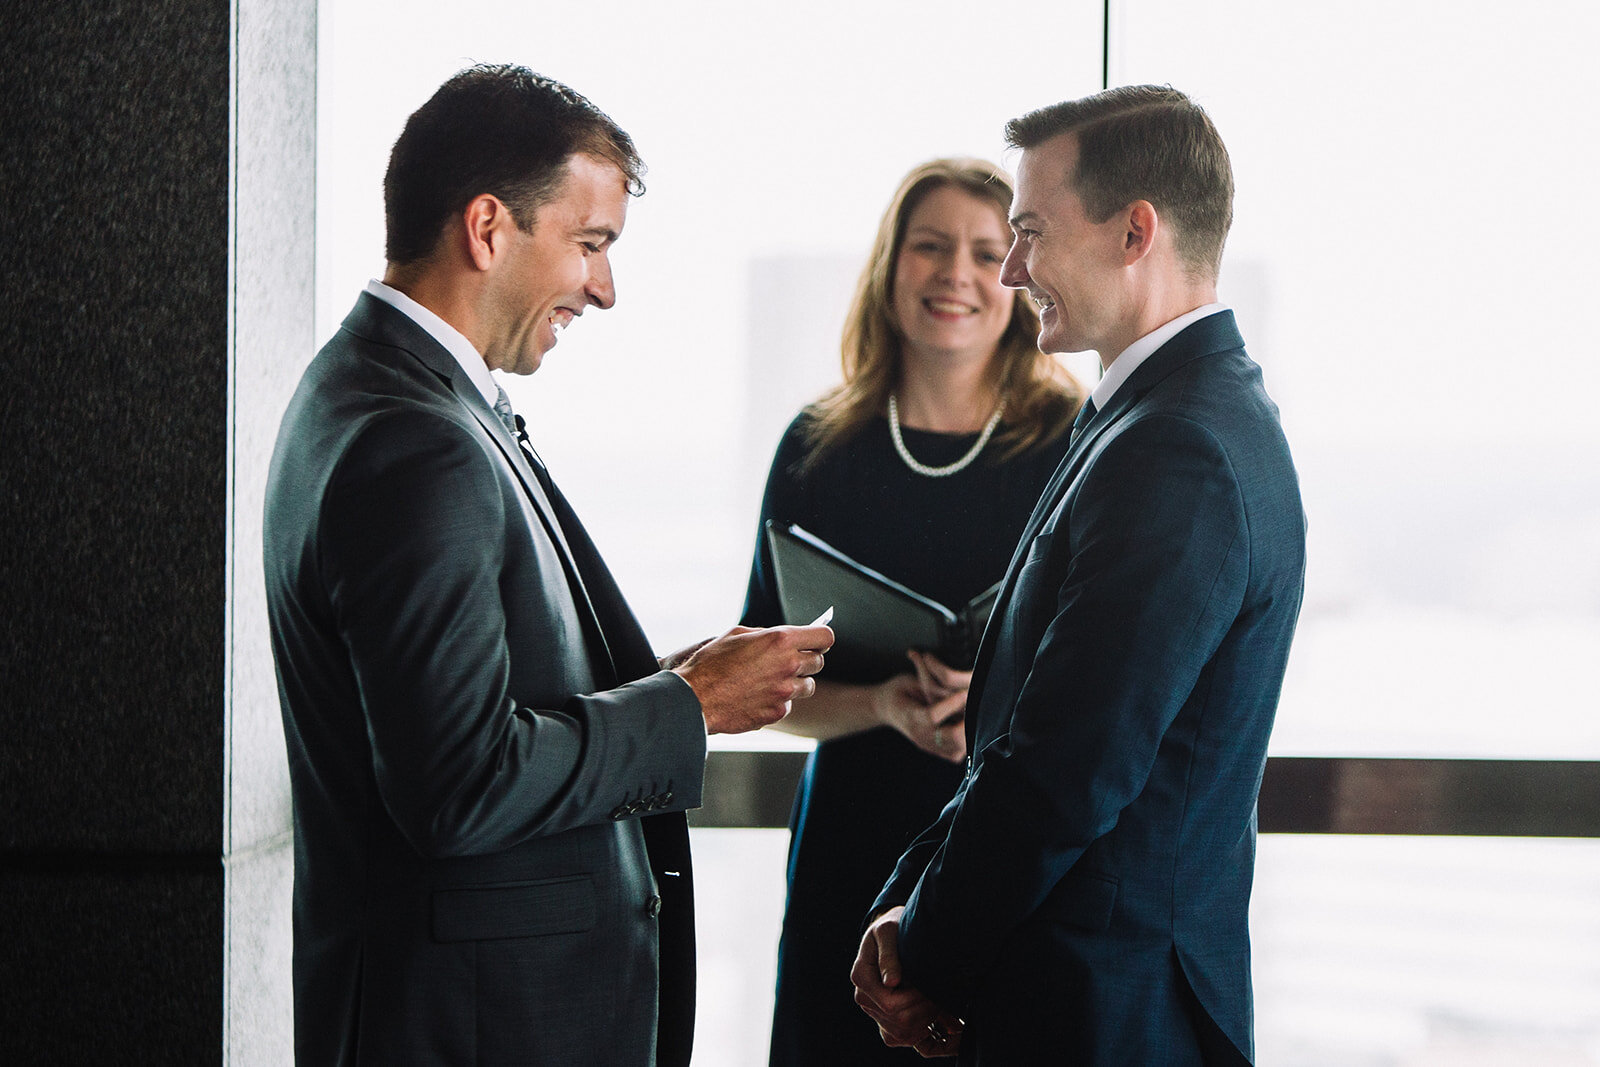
(121, 249)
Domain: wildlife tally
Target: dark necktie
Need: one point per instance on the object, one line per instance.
(1085, 416)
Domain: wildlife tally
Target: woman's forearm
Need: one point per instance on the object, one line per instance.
(836, 709)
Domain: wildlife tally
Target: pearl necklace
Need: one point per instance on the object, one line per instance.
(960, 464)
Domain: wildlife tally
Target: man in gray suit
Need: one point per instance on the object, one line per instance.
(489, 765)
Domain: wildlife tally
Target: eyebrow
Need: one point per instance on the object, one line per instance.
(607, 235)
(1021, 217)
(937, 232)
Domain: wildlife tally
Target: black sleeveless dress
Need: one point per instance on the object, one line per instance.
(864, 797)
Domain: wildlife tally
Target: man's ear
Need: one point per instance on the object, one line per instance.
(488, 224)
(1143, 225)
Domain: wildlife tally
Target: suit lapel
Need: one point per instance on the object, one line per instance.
(473, 402)
(374, 319)
(551, 517)
(629, 648)
(1208, 336)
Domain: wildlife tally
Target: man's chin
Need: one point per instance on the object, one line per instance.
(1051, 342)
(532, 359)
(1056, 343)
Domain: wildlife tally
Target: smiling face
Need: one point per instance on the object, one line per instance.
(547, 277)
(947, 298)
(1075, 269)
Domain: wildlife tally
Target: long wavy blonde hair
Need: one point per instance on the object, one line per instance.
(1041, 397)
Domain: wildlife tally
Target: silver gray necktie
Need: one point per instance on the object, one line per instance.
(519, 433)
(502, 407)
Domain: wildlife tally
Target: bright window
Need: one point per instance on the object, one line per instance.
(1412, 263)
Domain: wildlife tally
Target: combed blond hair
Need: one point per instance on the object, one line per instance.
(1041, 397)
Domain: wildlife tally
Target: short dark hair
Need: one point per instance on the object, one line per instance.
(1145, 142)
(496, 129)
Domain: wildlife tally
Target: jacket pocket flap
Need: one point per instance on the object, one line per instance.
(514, 909)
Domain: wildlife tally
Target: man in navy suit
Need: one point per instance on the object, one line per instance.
(1084, 897)
(489, 765)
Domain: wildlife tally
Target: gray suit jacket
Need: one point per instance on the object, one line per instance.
(477, 730)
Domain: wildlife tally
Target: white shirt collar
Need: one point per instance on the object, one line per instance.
(447, 335)
(1125, 364)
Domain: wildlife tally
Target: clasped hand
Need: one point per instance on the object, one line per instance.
(905, 1017)
(927, 707)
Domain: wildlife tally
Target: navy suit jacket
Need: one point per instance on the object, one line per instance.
(1084, 897)
(476, 728)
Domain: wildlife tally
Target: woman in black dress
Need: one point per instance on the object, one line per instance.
(924, 465)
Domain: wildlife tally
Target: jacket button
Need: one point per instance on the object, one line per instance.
(653, 908)
(666, 798)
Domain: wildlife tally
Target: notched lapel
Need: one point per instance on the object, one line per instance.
(379, 323)
(552, 523)
(1212, 335)
(530, 482)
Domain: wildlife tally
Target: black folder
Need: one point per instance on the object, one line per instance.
(875, 618)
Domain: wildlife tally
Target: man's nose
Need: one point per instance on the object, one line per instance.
(602, 289)
(1014, 271)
